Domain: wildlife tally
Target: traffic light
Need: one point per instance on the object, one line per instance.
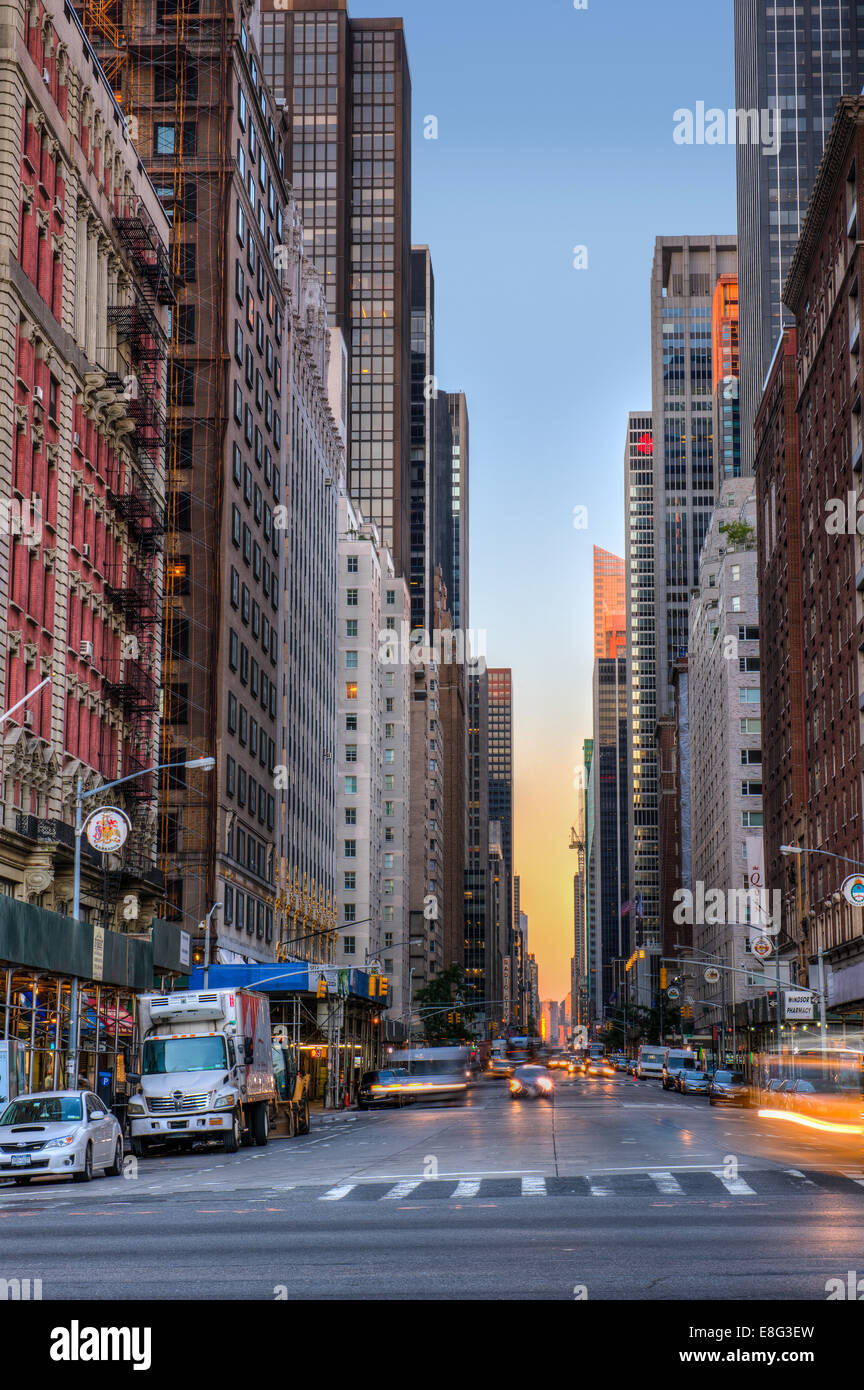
(322, 988)
(383, 986)
(664, 977)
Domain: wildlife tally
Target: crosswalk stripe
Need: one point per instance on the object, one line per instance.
(796, 1173)
(337, 1193)
(855, 1177)
(737, 1186)
(533, 1187)
(402, 1189)
(666, 1183)
(468, 1187)
(598, 1189)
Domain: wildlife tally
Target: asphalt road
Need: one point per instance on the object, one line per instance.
(615, 1190)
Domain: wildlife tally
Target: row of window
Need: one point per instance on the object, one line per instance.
(260, 803)
(247, 913)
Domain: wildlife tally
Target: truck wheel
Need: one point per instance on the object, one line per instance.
(261, 1124)
(303, 1125)
(139, 1148)
(231, 1142)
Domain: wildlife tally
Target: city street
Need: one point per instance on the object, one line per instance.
(616, 1190)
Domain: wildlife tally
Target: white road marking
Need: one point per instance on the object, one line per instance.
(796, 1173)
(855, 1177)
(737, 1186)
(533, 1187)
(402, 1189)
(337, 1193)
(666, 1184)
(468, 1187)
(598, 1189)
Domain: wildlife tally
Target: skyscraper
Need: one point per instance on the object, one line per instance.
(725, 359)
(610, 604)
(686, 270)
(612, 937)
(346, 91)
(797, 60)
(643, 807)
(459, 500)
(501, 775)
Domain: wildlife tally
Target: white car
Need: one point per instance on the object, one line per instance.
(59, 1133)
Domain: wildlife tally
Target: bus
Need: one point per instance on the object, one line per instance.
(435, 1073)
(650, 1061)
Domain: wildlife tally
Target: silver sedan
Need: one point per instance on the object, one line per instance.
(59, 1133)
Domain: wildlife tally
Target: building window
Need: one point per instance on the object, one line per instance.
(351, 690)
(353, 564)
(350, 786)
(349, 945)
(352, 598)
(351, 660)
(350, 849)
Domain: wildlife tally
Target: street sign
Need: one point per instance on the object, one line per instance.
(673, 993)
(107, 829)
(712, 975)
(762, 947)
(797, 1004)
(852, 889)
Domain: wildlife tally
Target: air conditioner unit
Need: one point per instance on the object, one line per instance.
(85, 551)
(38, 395)
(328, 482)
(27, 718)
(87, 650)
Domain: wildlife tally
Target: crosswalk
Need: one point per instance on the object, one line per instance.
(650, 1182)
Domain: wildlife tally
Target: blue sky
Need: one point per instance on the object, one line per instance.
(555, 130)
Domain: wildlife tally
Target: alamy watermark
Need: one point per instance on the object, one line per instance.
(445, 647)
(714, 126)
(757, 908)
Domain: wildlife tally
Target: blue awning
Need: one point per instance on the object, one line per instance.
(294, 978)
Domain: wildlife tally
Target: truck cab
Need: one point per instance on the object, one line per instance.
(206, 1069)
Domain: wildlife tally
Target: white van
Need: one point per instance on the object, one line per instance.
(650, 1062)
(677, 1059)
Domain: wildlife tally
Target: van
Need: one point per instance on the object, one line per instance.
(677, 1059)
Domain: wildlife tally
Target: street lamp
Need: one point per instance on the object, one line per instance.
(205, 765)
(804, 849)
(206, 925)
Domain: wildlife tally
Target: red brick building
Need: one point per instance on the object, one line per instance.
(84, 319)
(823, 291)
(784, 756)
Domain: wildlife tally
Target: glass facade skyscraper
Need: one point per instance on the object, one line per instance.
(798, 60)
(346, 90)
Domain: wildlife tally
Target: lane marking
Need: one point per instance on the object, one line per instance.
(533, 1187)
(669, 1186)
(468, 1187)
(737, 1186)
(337, 1193)
(402, 1189)
(598, 1189)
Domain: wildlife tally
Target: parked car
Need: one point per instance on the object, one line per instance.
(729, 1088)
(382, 1088)
(774, 1092)
(61, 1133)
(532, 1083)
(693, 1083)
(621, 1064)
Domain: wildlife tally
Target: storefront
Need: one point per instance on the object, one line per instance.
(68, 990)
(334, 1036)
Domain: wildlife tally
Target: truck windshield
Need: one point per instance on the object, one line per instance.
(162, 1055)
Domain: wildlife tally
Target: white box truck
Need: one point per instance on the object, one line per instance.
(206, 1069)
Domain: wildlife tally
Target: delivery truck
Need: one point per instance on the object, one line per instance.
(206, 1069)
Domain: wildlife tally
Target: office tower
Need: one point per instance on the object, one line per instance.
(345, 88)
(726, 752)
(726, 369)
(85, 294)
(610, 788)
(372, 757)
(591, 880)
(685, 272)
(431, 452)
(501, 776)
(579, 970)
(610, 603)
(459, 510)
(823, 293)
(310, 681)
(795, 61)
(453, 818)
(219, 168)
(643, 810)
(781, 639)
(482, 970)
(674, 746)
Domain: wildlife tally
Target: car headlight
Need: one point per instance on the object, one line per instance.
(63, 1143)
(224, 1102)
(136, 1107)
